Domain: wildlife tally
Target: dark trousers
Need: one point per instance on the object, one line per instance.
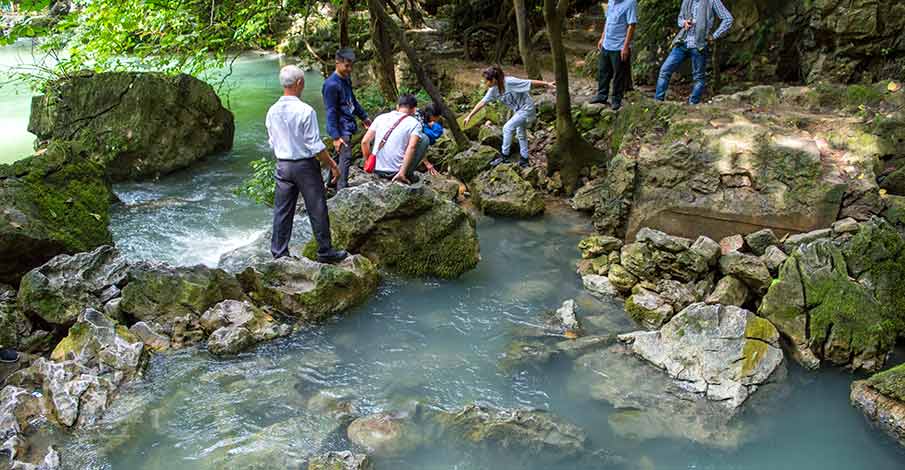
(293, 177)
(344, 160)
(611, 68)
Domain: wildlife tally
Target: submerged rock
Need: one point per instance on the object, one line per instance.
(882, 399)
(309, 290)
(723, 353)
(60, 290)
(386, 435)
(344, 460)
(145, 125)
(53, 203)
(407, 229)
(530, 433)
(235, 326)
(649, 404)
(503, 192)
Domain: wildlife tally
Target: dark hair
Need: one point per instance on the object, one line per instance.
(345, 55)
(407, 101)
(431, 110)
(495, 73)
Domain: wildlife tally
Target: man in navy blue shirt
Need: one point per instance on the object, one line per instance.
(342, 109)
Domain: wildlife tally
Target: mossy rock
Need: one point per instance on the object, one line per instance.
(468, 164)
(144, 124)
(308, 290)
(493, 113)
(410, 230)
(503, 192)
(890, 382)
(54, 202)
(14, 326)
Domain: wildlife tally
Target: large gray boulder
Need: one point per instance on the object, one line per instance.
(52, 203)
(409, 229)
(60, 290)
(723, 353)
(309, 290)
(145, 125)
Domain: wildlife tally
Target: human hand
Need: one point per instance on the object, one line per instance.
(467, 118)
(400, 178)
(626, 52)
(551, 84)
(600, 43)
(334, 170)
(689, 24)
(431, 170)
(338, 144)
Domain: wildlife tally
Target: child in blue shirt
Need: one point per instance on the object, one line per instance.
(431, 130)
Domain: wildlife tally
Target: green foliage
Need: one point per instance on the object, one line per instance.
(371, 98)
(260, 187)
(659, 18)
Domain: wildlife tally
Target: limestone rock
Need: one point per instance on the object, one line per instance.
(600, 286)
(720, 352)
(171, 300)
(446, 186)
(502, 191)
(144, 124)
(662, 241)
(762, 239)
(794, 241)
(732, 243)
(586, 198)
(385, 434)
(98, 341)
(598, 245)
(566, 315)
(748, 268)
(406, 229)
(621, 278)
(309, 290)
(152, 340)
(54, 203)
(15, 327)
(471, 162)
(847, 225)
(533, 433)
(729, 291)
(60, 290)
(773, 258)
(235, 326)
(649, 309)
(882, 399)
(841, 305)
(344, 460)
(648, 404)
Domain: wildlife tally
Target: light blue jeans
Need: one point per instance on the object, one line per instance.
(678, 55)
(517, 124)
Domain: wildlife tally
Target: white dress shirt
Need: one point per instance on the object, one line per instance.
(293, 129)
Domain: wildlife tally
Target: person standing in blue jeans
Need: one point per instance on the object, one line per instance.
(615, 47)
(696, 20)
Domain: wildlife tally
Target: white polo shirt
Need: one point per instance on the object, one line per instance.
(391, 157)
(293, 129)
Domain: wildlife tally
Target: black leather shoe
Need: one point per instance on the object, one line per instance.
(599, 100)
(9, 356)
(616, 106)
(499, 161)
(333, 257)
(523, 162)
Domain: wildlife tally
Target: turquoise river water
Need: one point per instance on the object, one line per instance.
(439, 342)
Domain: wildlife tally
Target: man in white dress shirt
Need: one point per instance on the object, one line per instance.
(296, 141)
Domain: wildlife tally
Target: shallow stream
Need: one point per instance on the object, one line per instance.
(439, 342)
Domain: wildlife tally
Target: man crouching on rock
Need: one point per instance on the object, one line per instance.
(398, 153)
(296, 142)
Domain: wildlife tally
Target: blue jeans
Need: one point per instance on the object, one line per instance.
(698, 72)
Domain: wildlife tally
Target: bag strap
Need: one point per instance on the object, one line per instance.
(390, 132)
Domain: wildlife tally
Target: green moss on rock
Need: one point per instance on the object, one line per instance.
(890, 382)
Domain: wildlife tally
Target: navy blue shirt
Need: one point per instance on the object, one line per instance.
(342, 107)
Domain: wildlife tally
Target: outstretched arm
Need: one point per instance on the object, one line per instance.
(539, 83)
(474, 111)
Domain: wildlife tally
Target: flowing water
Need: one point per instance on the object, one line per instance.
(438, 342)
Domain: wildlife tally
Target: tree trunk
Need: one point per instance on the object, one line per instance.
(386, 65)
(524, 44)
(344, 24)
(572, 152)
(390, 26)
